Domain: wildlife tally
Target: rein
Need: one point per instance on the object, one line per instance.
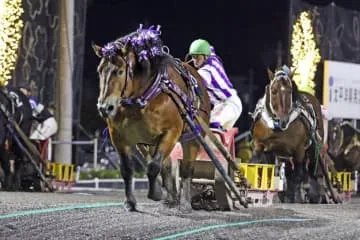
(161, 83)
(147, 47)
(153, 90)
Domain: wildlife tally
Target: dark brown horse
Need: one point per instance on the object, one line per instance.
(143, 94)
(344, 145)
(289, 124)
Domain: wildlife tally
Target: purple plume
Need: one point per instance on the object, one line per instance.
(109, 50)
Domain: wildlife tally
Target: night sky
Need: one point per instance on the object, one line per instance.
(244, 33)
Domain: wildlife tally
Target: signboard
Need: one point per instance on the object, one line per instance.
(341, 89)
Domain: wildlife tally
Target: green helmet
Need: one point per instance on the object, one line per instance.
(200, 47)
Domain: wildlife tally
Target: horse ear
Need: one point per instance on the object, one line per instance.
(270, 74)
(97, 49)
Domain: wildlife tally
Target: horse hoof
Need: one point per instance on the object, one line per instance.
(171, 203)
(130, 206)
(155, 194)
(185, 207)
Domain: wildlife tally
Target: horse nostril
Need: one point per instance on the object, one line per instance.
(102, 111)
(110, 108)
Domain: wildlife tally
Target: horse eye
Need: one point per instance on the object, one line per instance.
(120, 72)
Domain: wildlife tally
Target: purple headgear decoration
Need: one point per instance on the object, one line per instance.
(143, 55)
(145, 39)
(145, 35)
(109, 49)
(155, 51)
(146, 43)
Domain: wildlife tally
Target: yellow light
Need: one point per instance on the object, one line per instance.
(305, 55)
(10, 36)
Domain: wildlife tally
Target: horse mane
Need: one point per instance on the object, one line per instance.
(147, 46)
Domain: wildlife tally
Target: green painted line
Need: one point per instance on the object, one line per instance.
(61, 209)
(227, 225)
(117, 204)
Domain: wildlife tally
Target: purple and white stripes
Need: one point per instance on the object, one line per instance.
(216, 80)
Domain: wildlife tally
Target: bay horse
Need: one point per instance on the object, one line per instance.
(142, 92)
(288, 123)
(344, 145)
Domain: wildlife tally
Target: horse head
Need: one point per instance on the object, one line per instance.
(125, 68)
(281, 91)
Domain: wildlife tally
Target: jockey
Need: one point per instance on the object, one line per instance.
(226, 104)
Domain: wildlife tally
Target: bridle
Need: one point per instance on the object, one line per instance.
(129, 74)
(129, 71)
(280, 76)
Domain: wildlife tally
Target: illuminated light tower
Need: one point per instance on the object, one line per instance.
(304, 53)
(11, 26)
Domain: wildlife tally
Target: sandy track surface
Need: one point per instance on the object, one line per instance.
(100, 215)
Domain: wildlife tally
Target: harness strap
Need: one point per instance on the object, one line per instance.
(153, 91)
(162, 82)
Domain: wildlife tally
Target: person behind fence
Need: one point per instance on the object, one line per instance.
(326, 118)
(226, 104)
(46, 124)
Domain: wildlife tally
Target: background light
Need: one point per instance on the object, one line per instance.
(305, 54)
(10, 35)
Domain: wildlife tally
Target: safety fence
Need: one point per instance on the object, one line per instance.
(93, 142)
(262, 177)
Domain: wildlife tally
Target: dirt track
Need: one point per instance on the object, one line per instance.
(100, 216)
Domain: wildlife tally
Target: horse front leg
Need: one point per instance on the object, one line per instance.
(161, 154)
(127, 170)
(258, 155)
(298, 177)
(155, 191)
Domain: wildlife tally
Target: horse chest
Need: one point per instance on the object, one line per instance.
(132, 130)
(282, 142)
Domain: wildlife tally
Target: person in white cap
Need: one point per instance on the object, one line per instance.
(326, 118)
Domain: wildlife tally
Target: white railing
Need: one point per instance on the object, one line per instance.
(89, 142)
(96, 181)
